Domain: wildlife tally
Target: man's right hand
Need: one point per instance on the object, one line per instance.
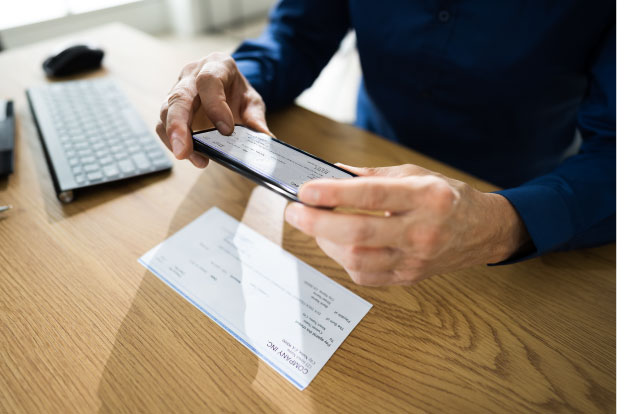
(227, 98)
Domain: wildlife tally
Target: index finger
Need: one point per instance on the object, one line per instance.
(367, 193)
(212, 81)
(179, 114)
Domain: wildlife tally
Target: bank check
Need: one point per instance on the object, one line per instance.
(289, 314)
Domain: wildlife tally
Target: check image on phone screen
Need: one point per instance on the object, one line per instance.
(264, 155)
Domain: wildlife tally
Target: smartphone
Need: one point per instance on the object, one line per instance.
(274, 164)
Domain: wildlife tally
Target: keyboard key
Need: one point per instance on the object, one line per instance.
(141, 161)
(122, 131)
(110, 171)
(159, 161)
(155, 153)
(126, 166)
(134, 148)
(147, 140)
(101, 153)
(121, 156)
(106, 160)
(129, 142)
(151, 147)
(94, 176)
(117, 148)
(80, 178)
(88, 160)
(91, 167)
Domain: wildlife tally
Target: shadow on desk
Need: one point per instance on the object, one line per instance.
(184, 356)
(464, 342)
(168, 356)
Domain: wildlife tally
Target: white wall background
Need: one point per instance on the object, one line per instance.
(189, 17)
(183, 17)
(204, 26)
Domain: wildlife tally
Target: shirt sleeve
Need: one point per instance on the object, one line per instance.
(575, 205)
(301, 37)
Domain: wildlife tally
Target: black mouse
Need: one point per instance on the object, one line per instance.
(72, 60)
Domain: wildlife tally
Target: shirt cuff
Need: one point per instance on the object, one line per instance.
(545, 214)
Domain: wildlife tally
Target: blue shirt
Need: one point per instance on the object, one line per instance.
(497, 88)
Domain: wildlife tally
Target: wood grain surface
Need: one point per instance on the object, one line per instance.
(85, 328)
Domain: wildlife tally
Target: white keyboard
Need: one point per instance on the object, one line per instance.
(92, 135)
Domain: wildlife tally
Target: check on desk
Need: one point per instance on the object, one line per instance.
(289, 314)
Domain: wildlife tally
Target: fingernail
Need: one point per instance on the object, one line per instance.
(176, 145)
(266, 128)
(291, 215)
(222, 127)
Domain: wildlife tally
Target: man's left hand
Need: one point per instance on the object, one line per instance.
(430, 224)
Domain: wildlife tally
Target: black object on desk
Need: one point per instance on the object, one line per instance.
(72, 60)
(7, 141)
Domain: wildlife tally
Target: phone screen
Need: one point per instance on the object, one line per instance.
(262, 157)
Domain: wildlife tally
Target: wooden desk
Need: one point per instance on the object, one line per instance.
(85, 328)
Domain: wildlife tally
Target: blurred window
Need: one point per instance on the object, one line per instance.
(23, 12)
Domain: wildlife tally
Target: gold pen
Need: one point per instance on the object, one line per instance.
(349, 210)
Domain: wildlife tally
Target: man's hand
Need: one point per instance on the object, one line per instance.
(433, 224)
(225, 95)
